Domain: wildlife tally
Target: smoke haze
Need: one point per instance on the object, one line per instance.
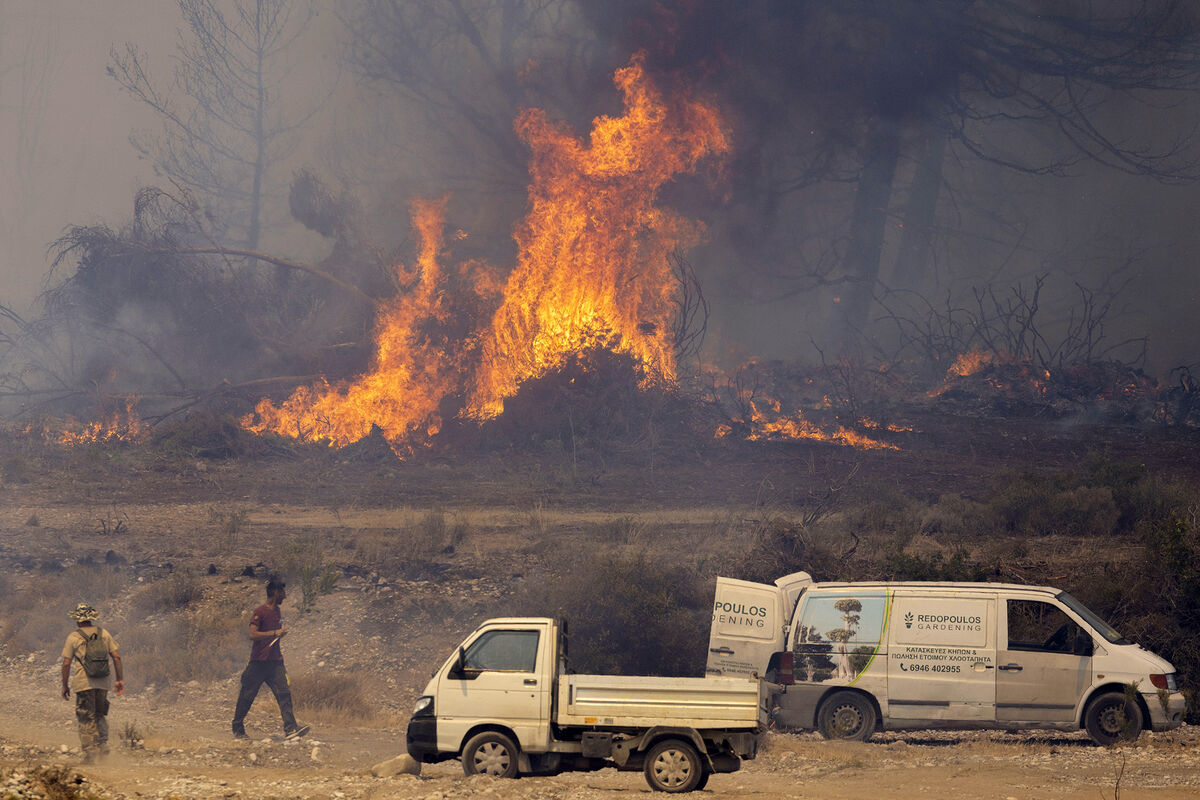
(393, 104)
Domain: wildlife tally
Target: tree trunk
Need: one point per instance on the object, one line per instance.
(913, 258)
(868, 225)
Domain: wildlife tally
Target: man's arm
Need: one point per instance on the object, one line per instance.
(66, 677)
(256, 634)
(120, 682)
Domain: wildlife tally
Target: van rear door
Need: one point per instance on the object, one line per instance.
(747, 627)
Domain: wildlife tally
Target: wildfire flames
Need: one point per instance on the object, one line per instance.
(592, 270)
(120, 426)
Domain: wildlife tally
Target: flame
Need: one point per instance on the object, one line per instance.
(592, 270)
(410, 372)
(773, 425)
(592, 266)
(971, 362)
(124, 425)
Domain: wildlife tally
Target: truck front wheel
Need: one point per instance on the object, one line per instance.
(490, 753)
(846, 715)
(673, 766)
(1111, 717)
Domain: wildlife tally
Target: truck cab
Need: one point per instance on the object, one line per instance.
(861, 656)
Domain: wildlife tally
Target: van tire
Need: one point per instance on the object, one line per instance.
(1112, 718)
(846, 715)
(490, 753)
(674, 766)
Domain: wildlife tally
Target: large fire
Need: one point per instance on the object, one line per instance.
(592, 270)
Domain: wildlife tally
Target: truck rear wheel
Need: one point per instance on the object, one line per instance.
(846, 715)
(673, 766)
(1111, 717)
(490, 753)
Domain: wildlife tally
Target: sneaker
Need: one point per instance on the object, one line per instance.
(296, 733)
(240, 735)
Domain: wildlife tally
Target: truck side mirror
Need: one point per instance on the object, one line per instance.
(458, 668)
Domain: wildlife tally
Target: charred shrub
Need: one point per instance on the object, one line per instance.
(209, 435)
(594, 401)
(780, 546)
(628, 614)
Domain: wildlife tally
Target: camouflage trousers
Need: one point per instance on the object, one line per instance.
(91, 709)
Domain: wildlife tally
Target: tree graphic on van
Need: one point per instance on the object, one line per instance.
(908, 619)
(839, 636)
(850, 608)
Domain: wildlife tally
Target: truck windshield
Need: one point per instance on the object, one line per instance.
(1092, 618)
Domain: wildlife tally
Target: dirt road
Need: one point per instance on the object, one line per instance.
(188, 753)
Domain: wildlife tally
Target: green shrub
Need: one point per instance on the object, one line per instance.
(302, 562)
(628, 615)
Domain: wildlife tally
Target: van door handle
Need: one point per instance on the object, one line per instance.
(531, 681)
(721, 651)
(1011, 667)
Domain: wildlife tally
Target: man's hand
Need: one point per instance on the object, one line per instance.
(281, 632)
(66, 693)
(120, 687)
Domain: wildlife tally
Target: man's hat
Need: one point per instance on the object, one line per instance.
(84, 613)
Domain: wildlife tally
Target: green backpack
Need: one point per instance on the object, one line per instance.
(95, 656)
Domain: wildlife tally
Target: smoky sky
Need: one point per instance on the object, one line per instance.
(797, 82)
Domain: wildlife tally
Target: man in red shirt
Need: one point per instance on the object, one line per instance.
(266, 664)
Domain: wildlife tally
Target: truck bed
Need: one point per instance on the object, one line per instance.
(632, 701)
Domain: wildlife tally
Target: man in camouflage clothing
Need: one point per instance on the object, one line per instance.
(91, 694)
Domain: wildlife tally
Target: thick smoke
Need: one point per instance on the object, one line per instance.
(887, 157)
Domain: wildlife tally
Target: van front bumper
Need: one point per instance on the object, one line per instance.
(421, 739)
(1170, 717)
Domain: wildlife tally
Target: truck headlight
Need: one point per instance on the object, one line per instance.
(424, 707)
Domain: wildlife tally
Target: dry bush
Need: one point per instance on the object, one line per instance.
(205, 643)
(419, 541)
(33, 608)
(174, 592)
(332, 697)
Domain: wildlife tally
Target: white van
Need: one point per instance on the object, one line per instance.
(856, 657)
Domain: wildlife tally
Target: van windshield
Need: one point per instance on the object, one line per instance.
(1092, 618)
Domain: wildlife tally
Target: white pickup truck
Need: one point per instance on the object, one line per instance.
(506, 704)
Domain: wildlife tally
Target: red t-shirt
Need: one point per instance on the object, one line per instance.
(266, 618)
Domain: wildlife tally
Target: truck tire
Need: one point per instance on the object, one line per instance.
(490, 753)
(1112, 718)
(674, 766)
(846, 715)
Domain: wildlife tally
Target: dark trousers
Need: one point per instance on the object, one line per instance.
(273, 674)
(91, 709)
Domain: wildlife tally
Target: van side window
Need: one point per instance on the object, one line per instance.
(505, 651)
(838, 635)
(1041, 627)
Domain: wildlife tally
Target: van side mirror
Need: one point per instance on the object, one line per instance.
(458, 670)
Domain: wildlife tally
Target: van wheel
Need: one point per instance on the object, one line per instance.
(1112, 718)
(490, 753)
(846, 715)
(673, 766)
